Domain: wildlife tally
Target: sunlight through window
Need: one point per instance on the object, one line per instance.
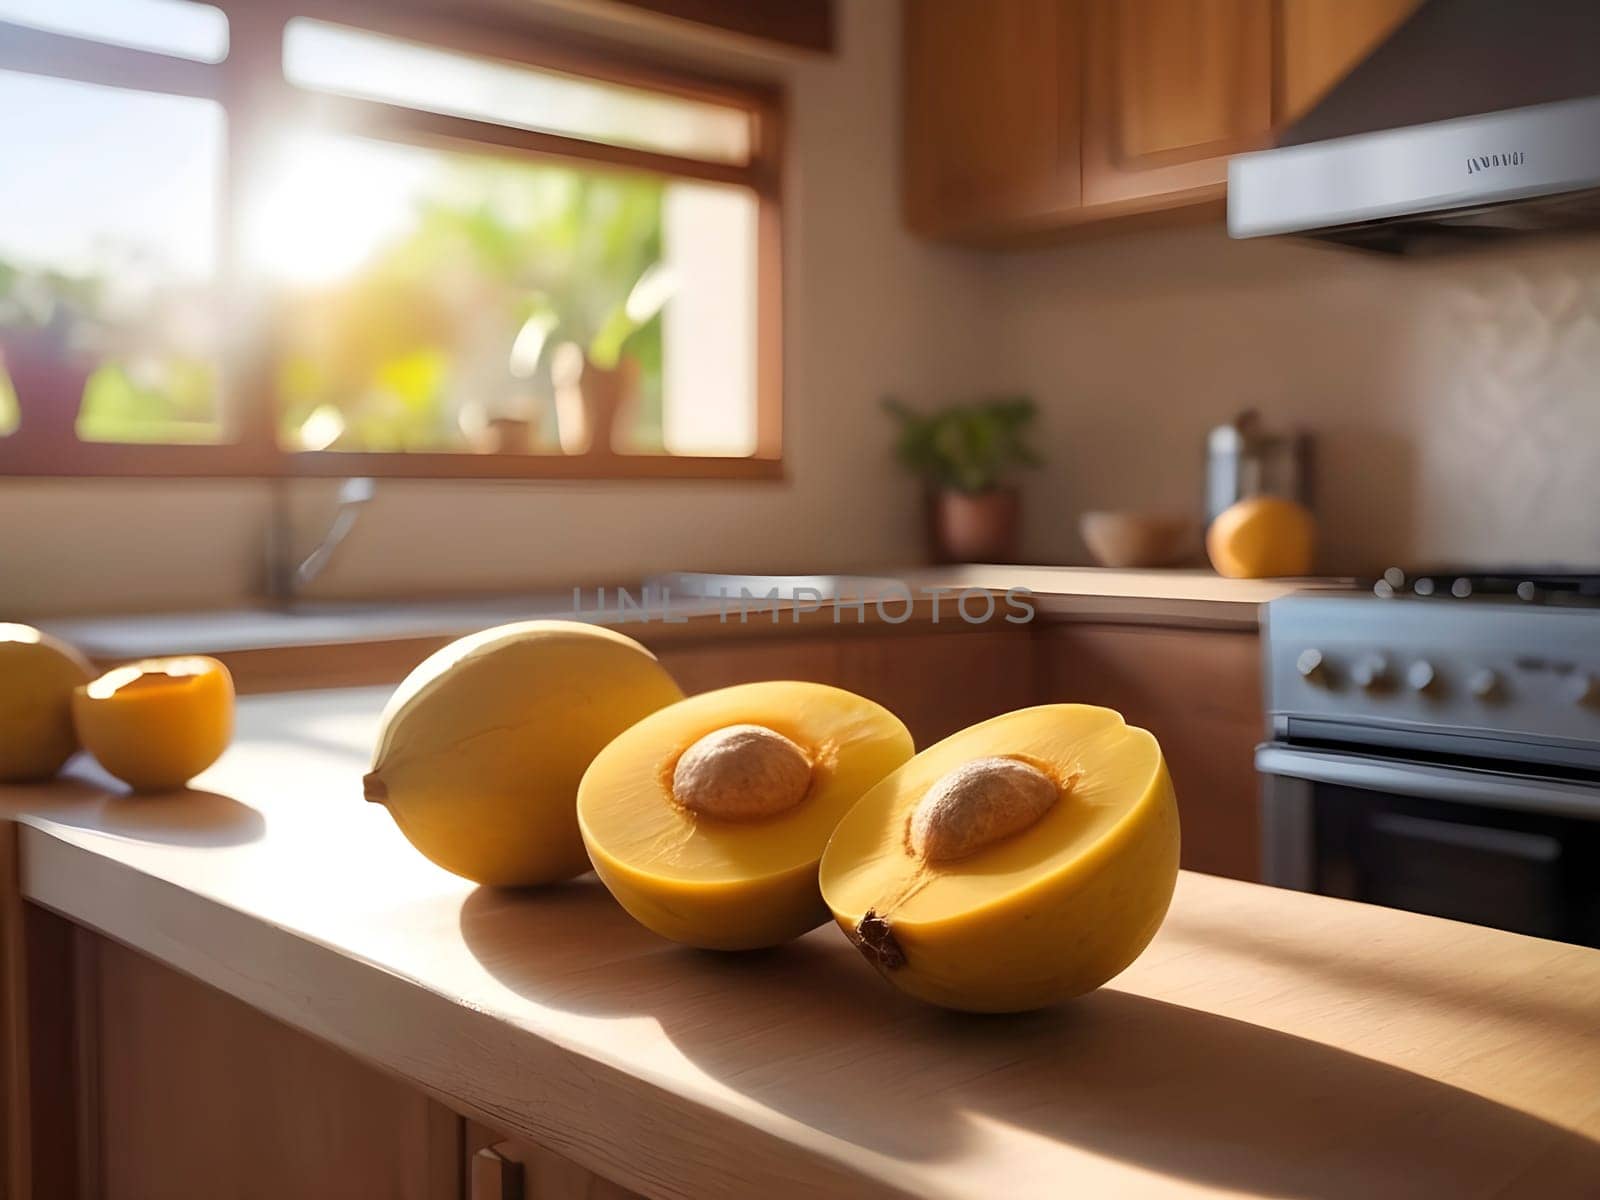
(352, 62)
(176, 27)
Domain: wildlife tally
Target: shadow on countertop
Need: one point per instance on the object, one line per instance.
(1164, 1088)
(183, 817)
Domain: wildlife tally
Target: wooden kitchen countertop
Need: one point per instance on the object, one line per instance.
(1267, 1043)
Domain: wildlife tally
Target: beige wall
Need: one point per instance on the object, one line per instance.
(869, 311)
(1456, 400)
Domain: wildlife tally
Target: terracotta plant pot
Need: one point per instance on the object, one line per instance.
(589, 399)
(509, 435)
(974, 526)
(49, 384)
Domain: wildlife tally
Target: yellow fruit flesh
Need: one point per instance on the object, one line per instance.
(723, 884)
(1045, 914)
(1262, 537)
(37, 677)
(483, 745)
(157, 724)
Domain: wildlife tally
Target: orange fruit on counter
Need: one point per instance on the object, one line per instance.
(37, 675)
(1262, 537)
(157, 724)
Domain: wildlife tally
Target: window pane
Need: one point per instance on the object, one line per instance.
(108, 315)
(8, 401)
(352, 62)
(175, 27)
(446, 301)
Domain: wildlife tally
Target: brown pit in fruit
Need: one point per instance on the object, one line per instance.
(977, 804)
(877, 943)
(741, 773)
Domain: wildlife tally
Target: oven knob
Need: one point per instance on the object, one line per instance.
(1484, 684)
(1312, 666)
(1421, 676)
(1584, 689)
(1371, 672)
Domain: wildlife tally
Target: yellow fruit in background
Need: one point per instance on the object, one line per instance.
(707, 820)
(1015, 864)
(1262, 537)
(37, 675)
(157, 724)
(482, 746)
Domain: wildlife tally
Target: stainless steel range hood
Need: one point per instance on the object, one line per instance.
(1475, 119)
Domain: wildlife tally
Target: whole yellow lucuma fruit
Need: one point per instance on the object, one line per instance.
(37, 675)
(1262, 537)
(482, 746)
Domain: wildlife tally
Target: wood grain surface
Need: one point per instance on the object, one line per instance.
(1267, 1043)
(198, 1097)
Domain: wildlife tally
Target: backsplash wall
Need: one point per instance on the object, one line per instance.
(1455, 400)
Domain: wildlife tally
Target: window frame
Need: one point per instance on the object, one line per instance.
(255, 95)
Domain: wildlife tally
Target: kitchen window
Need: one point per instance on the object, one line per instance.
(334, 239)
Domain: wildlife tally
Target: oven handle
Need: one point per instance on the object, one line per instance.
(1431, 781)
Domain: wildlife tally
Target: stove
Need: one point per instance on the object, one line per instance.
(1530, 586)
(1435, 745)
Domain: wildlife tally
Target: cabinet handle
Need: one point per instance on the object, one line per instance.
(494, 1177)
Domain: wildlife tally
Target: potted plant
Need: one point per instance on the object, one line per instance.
(599, 283)
(47, 331)
(964, 454)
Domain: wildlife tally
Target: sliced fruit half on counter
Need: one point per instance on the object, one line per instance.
(1015, 864)
(707, 820)
(482, 745)
(157, 724)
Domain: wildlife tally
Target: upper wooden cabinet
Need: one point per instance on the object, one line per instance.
(1323, 40)
(1023, 116)
(991, 111)
(1171, 88)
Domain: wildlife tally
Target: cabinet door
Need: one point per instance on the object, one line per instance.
(936, 682)
(189, 1094)
(991, 114)
(1199, 692)
(522, 1171)
(1171, 89)
(1324, 39)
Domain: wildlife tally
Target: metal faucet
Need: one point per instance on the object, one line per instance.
(285, 577)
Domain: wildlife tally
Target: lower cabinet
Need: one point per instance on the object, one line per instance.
(148, 1085)
(181, 1092)
(503, 1170)
(937, 680)
(1199, 692)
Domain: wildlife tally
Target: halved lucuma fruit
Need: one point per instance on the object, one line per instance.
(1015, 864)
(706, 820)
(483, 745)
(157, 724)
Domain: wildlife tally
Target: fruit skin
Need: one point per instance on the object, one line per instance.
(754, 882)
(1262, 537)
(732, 916)
(37, 676)
(1035, 946)
(482, 746)
(157, 724)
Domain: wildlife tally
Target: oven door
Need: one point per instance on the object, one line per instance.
(1514, 851)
